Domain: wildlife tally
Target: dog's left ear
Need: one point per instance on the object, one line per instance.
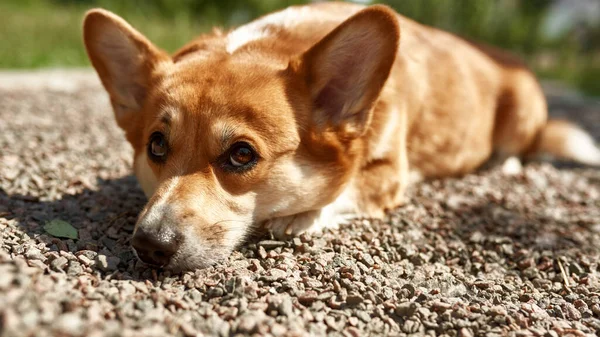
(347, 69)
(124, 59)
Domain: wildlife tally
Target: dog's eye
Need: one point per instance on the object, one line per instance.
(157, 147)
(241, 156)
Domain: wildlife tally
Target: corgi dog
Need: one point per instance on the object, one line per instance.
(305, 118)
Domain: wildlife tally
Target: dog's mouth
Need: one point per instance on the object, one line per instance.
(146, 260)
(185, 259)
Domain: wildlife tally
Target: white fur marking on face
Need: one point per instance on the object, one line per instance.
(154, 215)
(581, 147)
(167, 193)
(145, 175)
(289, 191)
(236, 231)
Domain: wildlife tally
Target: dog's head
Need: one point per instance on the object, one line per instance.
(223, 142)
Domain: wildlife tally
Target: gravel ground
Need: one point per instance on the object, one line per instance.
(486, 255)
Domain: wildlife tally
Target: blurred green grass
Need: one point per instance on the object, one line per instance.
(47, 33)
(43, 34)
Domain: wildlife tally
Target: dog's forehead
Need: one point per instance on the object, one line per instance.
(204, 91)
(220, 100)
(228, 71)
(225, 87)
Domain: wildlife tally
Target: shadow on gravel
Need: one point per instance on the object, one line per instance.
(104, 217)
(528, 230)
(508, 223)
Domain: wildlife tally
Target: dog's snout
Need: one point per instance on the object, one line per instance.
(155, 248)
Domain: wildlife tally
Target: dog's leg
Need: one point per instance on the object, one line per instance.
(381, 183)
(379, 186)
(293, 225)
(383, 186)
(341, 210)
(511, 165)
(521, 114)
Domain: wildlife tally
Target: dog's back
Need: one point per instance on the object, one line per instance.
(448, 105)
(462, 100)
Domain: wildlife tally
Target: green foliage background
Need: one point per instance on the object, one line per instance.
(47, 33)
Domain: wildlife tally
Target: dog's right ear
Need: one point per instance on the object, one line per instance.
(347, 69)
(124, 59)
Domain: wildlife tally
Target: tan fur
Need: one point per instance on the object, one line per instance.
(343, 105)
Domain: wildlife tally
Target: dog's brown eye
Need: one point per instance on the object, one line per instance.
(157, 147)
(239, 158)
(241, 154)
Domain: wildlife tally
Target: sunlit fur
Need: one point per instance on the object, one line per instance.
(344, 105)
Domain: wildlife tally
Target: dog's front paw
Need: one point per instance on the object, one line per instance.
(293, 225)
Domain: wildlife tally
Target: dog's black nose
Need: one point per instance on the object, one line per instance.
(155, 248)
